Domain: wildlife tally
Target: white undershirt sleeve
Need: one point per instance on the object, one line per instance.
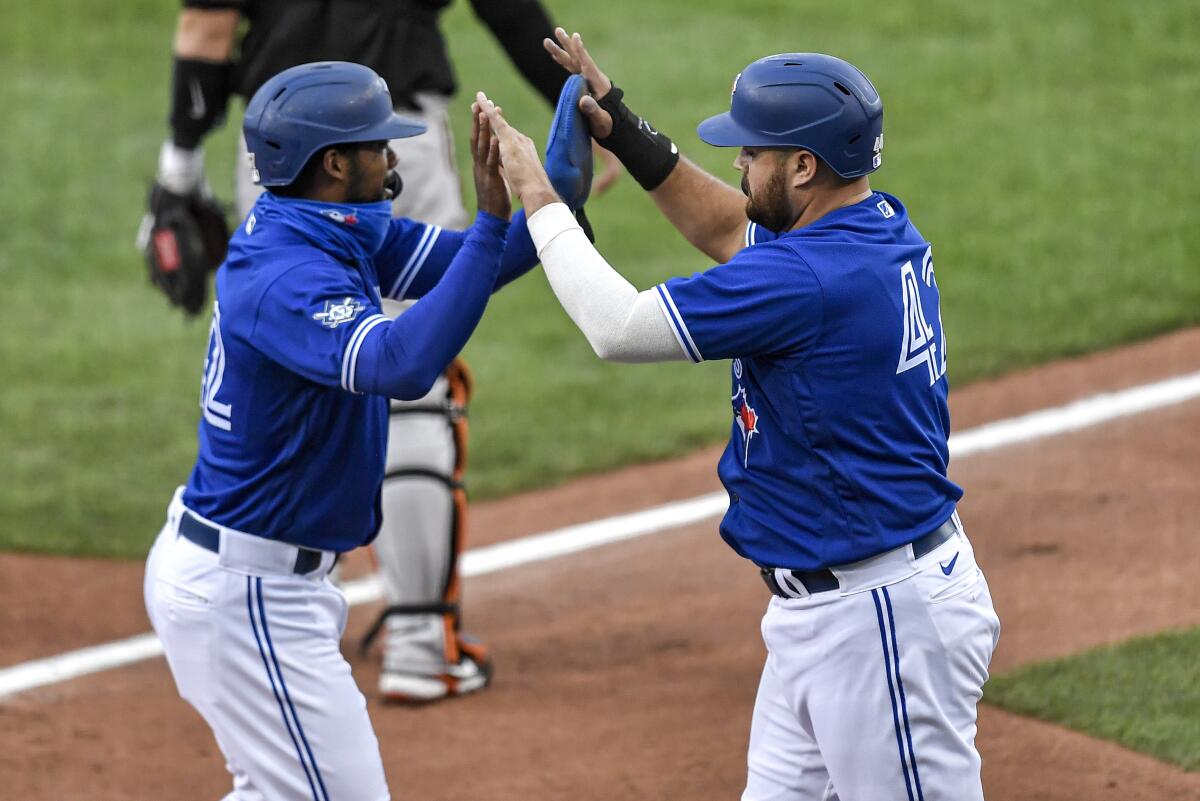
(620, 323)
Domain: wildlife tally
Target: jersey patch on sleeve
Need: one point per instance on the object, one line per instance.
(339, 312)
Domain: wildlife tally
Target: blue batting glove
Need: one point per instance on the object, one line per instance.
(569, 146)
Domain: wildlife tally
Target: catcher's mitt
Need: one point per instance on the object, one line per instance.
(183, 237)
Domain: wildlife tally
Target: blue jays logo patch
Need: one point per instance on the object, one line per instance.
(337, 313)
(338, 217)
(746, 419)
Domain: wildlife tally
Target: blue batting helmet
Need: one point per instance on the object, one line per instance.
(808, 100)
(303, 109)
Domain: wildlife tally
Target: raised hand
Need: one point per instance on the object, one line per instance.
(518, 156)
(491, 190)
(571, 54)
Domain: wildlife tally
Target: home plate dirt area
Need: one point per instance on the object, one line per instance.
(629, 671)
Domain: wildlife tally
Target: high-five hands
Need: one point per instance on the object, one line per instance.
(519, 158)
(491, 191)
(572, 55)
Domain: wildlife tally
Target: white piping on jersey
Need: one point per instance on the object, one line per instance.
(216, 413)
(415, 261)
(350, 355)
(678, 326)
(751, 236)
(411, 258)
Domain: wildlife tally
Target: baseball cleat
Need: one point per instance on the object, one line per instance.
(472, 673)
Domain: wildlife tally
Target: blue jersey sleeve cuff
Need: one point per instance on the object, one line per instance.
(678, 326)
(353, 346)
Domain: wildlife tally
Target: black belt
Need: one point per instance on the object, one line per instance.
(209, 537)
(824, 580)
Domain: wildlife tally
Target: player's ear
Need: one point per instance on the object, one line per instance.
(336, 164)
(804, 165)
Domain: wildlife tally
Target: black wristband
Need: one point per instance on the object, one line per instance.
(199, 96)
(647, 154)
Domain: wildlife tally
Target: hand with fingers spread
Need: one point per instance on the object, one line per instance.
(491, 190)
(647, 154)
(518, 157)
(571, 54)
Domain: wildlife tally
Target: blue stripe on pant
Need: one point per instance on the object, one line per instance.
(903, 701)
(887, 666)
(250, 593)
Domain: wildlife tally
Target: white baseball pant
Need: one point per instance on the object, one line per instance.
(254, 648)
(869, 693)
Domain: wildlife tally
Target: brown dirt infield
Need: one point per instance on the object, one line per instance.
(629, 671)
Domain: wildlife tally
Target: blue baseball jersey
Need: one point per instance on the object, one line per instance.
(293, 432)
(838, 448)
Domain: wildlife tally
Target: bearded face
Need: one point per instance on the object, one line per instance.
(361, 185)
(768, 204)
(368, 172)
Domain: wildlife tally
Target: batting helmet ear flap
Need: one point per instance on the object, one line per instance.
(809, 100)
(305, 108)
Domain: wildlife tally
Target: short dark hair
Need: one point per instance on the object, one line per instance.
(307, 177)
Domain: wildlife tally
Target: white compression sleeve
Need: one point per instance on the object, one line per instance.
(620, 323)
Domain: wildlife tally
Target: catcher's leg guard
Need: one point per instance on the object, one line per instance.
(425, 655)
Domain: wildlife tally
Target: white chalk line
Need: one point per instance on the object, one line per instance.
(1083, 413)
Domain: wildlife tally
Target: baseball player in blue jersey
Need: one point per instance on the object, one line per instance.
(881, 626)
(293, 433)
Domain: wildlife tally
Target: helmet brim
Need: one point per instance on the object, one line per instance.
(394, 127)
(724, 131)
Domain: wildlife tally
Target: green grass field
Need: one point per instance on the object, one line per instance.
(1047, 149)
(1142, 694)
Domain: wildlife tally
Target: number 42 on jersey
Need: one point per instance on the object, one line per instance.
(920, 346)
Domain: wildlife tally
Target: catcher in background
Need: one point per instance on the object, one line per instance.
(426, 656)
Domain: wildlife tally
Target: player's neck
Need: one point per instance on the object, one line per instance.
(823, 203)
